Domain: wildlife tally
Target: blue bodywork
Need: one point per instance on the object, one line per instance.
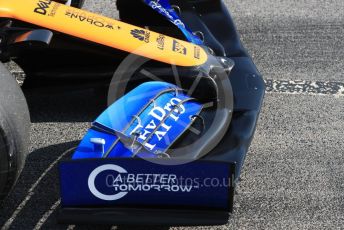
(150, 118)
(107, 169)
(164, 8)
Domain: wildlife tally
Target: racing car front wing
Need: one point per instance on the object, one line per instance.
(84, 47)
(138, 192)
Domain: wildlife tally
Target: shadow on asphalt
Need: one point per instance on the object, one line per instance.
(41, 197)
(142, 228)
(65, 105)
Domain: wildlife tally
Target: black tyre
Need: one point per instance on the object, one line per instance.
(78, 3)
(14, 131)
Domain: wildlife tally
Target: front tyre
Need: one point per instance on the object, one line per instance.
(14, 131)
(78, 3)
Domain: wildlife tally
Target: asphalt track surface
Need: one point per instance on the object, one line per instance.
(294, 174)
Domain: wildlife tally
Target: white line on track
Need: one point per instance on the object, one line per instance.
(20, 207)
(306, 94)
(46, 215)
(302, 87)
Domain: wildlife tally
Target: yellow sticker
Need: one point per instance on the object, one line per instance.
(102, 30)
